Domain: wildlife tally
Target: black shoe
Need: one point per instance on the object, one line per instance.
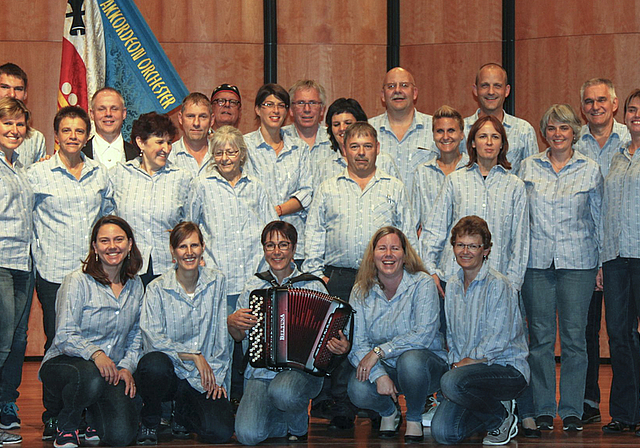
(341, 422)
(388, 434)
(322, 410)
(50, 429)
(544, 422)
(147, 436)
(590, 415)
(296, 439)
(531, 433)
(572, 423)
(616, 427)
(413, 439)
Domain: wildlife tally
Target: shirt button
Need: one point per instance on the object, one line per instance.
(117, 312)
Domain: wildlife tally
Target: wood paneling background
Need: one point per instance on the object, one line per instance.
(343, 46)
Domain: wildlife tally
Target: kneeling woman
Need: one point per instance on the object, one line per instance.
(184, 328)
(275, 404)
(97, 341)
(397, 344)
(487, 345)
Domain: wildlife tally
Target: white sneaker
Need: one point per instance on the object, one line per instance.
(507, 430)
(432, 405)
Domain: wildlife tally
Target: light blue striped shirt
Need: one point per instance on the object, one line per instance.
(415, 148)
(89, 318)
(564, 211)
(243, 302)
(152, 205)
(501, 200)
(321, 148)
(589, 146)
(180, 157)
(16, 220)
(173, 323)
(428, 181)
(520, 135)
(409, 320)
(485, 321)
(285, 176)
(343, 218)
(335, 165)
(621, 207)
(32, 149)
(231, 220)
(65, 211)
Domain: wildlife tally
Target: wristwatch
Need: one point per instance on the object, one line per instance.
(378, 351)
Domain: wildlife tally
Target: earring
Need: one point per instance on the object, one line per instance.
(96, 257)
(173, 260)
(129, 255)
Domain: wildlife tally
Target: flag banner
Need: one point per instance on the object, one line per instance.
(134, 63)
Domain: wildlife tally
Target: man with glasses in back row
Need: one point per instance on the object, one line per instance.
(227, 106)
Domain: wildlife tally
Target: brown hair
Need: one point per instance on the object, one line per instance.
(182, 231)
(472, 225)
(131, 264)
(283, 228)
(504, 148)
(152, 124)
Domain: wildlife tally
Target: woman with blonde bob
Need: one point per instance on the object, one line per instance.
(397, 344)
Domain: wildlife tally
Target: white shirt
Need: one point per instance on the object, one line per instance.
(109, 154)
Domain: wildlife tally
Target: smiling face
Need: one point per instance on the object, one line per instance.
(361, 152)
(307, 116)
(597, 105)
(228, 163)
(72, 135)
(447, 134)
(272, 115)
(108, 113)
(112, 245)
(470, 259)
(155, 151)
(632, 117)
(559, 136)
(339, 124)
(278, 252)
(388, 256)
(487, 143)
(492, 89)
(188, 252)
(195, 120)
(399, 91)
(12, 132)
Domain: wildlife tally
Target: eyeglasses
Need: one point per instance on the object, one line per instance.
(231, 153)
(402, 85)
(302, 104)
(223, 102)
(471, 247)
(282, 245)
(271, 105)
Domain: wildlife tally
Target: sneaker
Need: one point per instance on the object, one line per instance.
(572, 423)
(178, 431)
(147, 436)
(50, 429)
(91, 434)
(430, 409)
(590, 415)
(6, 438)
(67, 439)
(9, 416)
(544, 422)
(507, 430)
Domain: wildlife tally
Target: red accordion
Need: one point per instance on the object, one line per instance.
(293, 328)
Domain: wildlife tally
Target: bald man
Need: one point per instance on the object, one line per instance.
(403, 132)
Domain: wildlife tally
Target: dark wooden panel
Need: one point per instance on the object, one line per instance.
(336, 22)
(33, 20)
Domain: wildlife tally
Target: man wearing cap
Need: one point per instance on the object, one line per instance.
(227, 106)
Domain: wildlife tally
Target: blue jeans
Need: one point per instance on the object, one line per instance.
(157, 382)
(13, 299)
(273, 408)
(472, 404)
(12, 369)
(417, 375)
(567, 292)
(47, 293)
(75, 384)
(621, 286)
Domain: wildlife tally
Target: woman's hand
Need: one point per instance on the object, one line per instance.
(218, 392)
(239, 322)
(207, 379)
(339, 345)
(130, 384)
(365, 366)
(468, 361)
(385, 386)
(436, 279)
(107, 368)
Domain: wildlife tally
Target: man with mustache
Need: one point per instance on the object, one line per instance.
(491, 89)
(191, 152)
(227, 106)
(404, 133)
(346, 211)
(108, 112)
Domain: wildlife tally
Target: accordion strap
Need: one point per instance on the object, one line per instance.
(268, 276)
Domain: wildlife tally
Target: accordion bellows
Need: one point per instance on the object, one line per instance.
(293, 328)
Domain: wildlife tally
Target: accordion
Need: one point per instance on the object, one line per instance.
(293, 328)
